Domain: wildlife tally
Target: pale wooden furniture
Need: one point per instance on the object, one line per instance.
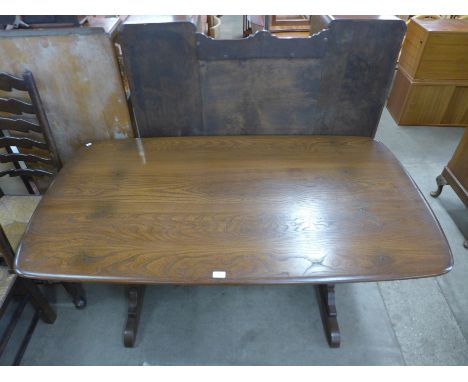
(431, 84)
(78, 78)
(421, 102)
(233, 210)
(455, 174)
(436, 49)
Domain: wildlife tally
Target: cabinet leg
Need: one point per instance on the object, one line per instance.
(135, 303)
(441, 182)
(326, 300)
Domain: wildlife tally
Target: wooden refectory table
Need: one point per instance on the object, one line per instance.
(233, 210)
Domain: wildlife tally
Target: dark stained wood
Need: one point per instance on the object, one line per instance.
(26, 339)
(6, 251)
(4, 158)
(261, 46)
(332, 83)
(19, 125)
(42, 117)
(27, 130)
(327, 305)
(22, 142)
(458, 166)
(14, 106)
(9, 82)
(26, 172)
(455, 173)
(262, 209)
(10, 327)
(77, 293)
(37, 299)
(165, 91)
(135, 304)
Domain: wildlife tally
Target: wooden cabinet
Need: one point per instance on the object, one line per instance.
(436, 49)
(431, 84)
(455, 174)
(413, 102)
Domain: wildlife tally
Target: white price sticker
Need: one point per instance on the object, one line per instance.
(219, 274)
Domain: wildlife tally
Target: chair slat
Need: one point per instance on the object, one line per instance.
(5, 158)
(9, 82)
(22, 142)
(14, 106)
(19, 125)
(26, 172)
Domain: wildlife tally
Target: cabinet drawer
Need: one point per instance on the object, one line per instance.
(428, 103)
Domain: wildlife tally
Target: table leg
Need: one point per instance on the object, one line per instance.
(326, 300)
(77, 293)
(135, 303)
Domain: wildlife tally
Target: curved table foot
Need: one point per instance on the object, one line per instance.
(441, 182)
(465, 244)
(135, 302)
(326, 299)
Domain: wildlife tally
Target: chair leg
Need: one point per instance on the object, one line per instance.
(39, 302)
(76, 291)
(12, 323)
(26, 339)
(43, 310)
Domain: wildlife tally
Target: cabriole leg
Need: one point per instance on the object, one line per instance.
(441, 182)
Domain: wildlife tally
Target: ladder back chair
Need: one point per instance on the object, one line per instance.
(27, 143)
(25, 134)
(10, 284)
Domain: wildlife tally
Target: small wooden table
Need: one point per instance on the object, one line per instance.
(234, 210)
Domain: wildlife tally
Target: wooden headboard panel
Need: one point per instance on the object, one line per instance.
(334, 82)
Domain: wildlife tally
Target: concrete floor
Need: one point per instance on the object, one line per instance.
(413, 322)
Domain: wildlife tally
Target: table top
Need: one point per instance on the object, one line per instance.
(233, 210)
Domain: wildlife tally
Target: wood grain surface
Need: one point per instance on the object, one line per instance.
(436, 49)
(439, 103)
(262, 209)
(78, 78)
